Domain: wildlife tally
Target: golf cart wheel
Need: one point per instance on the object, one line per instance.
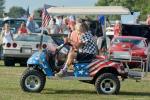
(107, 83)
(32, 81)
(9, 62)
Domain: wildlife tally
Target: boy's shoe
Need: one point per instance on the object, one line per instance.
(61, 73)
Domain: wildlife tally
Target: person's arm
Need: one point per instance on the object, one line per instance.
(19, 31)
(147, 21)
(83, 40)
(28, 27)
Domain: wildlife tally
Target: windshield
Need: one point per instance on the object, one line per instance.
(32, 38)
(138, 43)
(14, 23)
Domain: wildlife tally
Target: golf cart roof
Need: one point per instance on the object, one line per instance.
(105, 10)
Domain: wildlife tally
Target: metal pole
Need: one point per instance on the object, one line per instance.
(104, 31)
(41, 40)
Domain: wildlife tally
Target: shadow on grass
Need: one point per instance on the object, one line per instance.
(135, 93)
(52, 91)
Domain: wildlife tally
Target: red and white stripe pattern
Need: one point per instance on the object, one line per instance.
(45, 18)
(98, 64)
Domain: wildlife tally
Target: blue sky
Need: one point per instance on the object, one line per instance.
(35, 4)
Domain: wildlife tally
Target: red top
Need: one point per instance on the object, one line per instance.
(22, 30)
(117, 30)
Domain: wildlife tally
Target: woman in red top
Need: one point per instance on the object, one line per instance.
(117, 28)
(22, 30)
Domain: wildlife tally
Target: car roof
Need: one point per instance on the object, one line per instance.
(131, 37)
(15, 19)
(105, 10)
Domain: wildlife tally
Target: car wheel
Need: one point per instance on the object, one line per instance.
(9, 62)
(32, 81)
(107, 83)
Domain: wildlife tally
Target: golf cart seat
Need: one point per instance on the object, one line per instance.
(84, 59)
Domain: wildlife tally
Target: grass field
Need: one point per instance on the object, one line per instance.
(66, 89)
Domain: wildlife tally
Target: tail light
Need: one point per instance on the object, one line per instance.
(44, 46)
(8, 45)
(14, 45)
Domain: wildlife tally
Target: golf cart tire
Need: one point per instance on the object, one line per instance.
(32, 72)
(108, 77)
(9, 62)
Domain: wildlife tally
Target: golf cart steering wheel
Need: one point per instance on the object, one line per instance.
(58, 49)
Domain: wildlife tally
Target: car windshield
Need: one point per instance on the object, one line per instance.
(14, 23)
(32, 38)
(138, 43)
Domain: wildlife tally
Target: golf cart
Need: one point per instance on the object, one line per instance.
(101, 71)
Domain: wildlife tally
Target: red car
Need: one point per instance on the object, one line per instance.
(125, 47)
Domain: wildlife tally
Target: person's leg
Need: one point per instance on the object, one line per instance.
(69, 61)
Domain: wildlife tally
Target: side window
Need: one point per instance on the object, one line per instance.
(12, 23)
(141, 44)
(7, 21)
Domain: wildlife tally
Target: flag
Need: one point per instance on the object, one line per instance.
(101, 19)
(45, 17)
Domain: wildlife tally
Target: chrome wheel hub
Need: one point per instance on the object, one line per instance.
(108, 86)
(32, 82)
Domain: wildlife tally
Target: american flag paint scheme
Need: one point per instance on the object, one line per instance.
(90, 69)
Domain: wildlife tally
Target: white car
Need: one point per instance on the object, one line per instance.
(23, 47)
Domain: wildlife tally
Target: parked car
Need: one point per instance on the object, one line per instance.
(23, 47)
(16, 22)
(124, 47)
(137, 45)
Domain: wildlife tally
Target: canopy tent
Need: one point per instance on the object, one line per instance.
(104, 10)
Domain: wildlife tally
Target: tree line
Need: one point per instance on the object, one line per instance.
(141, 6)
(15, 11)
(134, 5)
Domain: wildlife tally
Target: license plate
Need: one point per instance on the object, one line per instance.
(122, 55)
(26, 50)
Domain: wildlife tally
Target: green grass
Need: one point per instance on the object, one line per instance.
(66, 89)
